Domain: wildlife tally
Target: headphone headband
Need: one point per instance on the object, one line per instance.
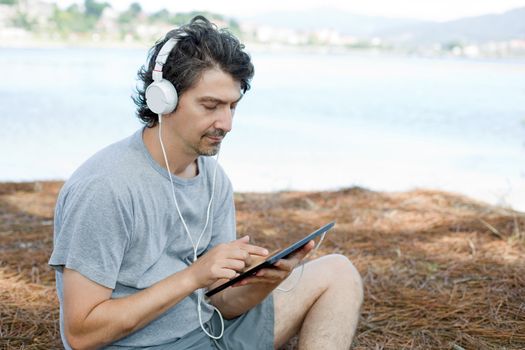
(162, 57)
(161, 95)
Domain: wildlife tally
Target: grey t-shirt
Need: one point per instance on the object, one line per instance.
(116, 223)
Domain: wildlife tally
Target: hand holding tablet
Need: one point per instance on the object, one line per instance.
(272, 259)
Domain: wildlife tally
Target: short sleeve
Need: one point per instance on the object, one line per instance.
(93, 228)
(224, 222)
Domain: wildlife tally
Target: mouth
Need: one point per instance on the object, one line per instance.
(215, 139)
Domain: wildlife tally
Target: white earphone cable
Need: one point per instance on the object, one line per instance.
(195, 246)
(286, 290)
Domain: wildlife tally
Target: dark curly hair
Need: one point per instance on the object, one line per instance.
(200, 46)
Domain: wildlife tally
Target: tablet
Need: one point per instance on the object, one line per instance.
(272, 259)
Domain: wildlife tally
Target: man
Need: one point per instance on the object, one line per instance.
(146, 225)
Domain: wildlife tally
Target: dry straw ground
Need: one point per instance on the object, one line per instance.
(440, 271)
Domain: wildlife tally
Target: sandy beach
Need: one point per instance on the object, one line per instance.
(440, 270)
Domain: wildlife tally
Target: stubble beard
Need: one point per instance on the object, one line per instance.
(204, 148)
(208, 151)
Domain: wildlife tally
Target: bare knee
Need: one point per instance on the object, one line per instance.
(341, 273)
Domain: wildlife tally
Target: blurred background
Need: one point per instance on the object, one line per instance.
(387, 95)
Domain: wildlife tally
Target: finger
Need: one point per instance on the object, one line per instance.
(254, 250)
(241, 282)
(251, 260)
(295, 259)
(227, 273)
(243, 239)
(244, 281)
(263, 276)
(307, 248)
(247, 259)
(286, 264)
(250, 248)
(234, 264)
(310, 245)
(237, 253)
(260, 280)
(272, 274)
(301, 253)
(254, 260)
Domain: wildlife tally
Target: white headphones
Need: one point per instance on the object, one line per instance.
(161, 95)
(162, 98)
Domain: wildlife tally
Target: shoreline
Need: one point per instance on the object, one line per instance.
(8, 43)
(39, 185)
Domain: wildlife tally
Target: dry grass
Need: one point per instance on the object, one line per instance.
(441, 271)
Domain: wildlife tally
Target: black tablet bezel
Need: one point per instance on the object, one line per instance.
(272, 259)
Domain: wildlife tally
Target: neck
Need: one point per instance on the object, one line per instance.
(181, 163)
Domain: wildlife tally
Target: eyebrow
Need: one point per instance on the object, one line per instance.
(217, 100)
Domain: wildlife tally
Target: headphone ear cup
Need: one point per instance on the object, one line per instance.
(161, 97)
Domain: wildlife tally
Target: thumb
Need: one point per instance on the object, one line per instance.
(244, 239)
(303, 252)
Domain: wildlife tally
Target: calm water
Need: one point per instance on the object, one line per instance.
(311, 121)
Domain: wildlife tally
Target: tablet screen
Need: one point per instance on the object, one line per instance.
(273, 258)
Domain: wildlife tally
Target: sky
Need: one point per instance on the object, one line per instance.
(442, 10)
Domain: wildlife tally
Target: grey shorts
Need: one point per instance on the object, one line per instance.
(252, 330)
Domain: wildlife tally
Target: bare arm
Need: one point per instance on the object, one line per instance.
(93, 319)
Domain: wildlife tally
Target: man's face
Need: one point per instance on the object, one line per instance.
(204, 113)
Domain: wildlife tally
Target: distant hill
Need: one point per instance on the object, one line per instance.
(509, 25)
(496, 27)
(324, 18)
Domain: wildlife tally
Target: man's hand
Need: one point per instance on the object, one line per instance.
(283, 268)
(224, 261)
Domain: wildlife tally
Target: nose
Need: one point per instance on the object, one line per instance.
(224, 120)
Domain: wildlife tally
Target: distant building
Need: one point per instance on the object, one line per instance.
(7, 13)
(38, 11)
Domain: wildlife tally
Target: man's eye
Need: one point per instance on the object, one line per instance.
(210, 108)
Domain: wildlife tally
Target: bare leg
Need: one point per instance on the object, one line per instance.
(323, 308)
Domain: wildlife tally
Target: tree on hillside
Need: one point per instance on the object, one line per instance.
(160, 16)
(22, 20)
(128, 16)
(74, 19)
(94, 9)
(69, 20)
